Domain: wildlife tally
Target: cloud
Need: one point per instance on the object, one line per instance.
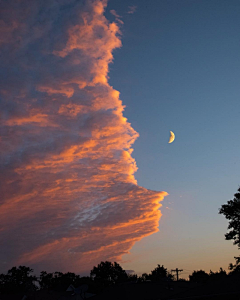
(132, 9)
(117, 17)
(69, 198)
(130, 272)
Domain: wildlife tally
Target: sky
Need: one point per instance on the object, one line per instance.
(89, 93)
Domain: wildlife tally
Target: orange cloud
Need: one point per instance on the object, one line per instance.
(68, 91)
(39, 118)
(69, 195)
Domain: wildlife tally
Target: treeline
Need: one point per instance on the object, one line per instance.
(21, 280)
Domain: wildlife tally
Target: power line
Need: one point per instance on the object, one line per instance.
(177, 271)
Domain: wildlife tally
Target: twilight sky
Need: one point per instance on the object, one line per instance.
(82, 84)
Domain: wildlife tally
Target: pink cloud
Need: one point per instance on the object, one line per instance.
(69, 195)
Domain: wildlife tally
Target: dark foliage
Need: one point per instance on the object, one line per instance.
(231, 211)
(107, 274)
(235, 269)
(58, 281)
(17, 280)
(199, 276)
(158, 274)
(217, 275)
(132, 278)
(145, 277)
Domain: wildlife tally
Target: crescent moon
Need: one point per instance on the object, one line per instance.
(172, 137)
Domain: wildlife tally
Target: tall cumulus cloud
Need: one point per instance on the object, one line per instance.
(69, 198)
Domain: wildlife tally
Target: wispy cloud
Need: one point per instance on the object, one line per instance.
(132, 9)
(117, 17)
(69, 197)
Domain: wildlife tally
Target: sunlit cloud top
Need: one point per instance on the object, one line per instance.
(69, 195)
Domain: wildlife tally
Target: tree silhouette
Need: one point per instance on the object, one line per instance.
(132, 277)
(199, 276)
(108, 273)
(145, 277)
(217, 275)
(231, 211)
(46, 280)
(58, 281)
(17, 280)
(158, 273)
(235, 269)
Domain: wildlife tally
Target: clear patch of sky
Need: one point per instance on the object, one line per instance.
(179, 70)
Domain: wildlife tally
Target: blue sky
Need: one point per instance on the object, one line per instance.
(179, 70)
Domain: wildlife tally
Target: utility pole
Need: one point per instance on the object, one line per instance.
(177, 270)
